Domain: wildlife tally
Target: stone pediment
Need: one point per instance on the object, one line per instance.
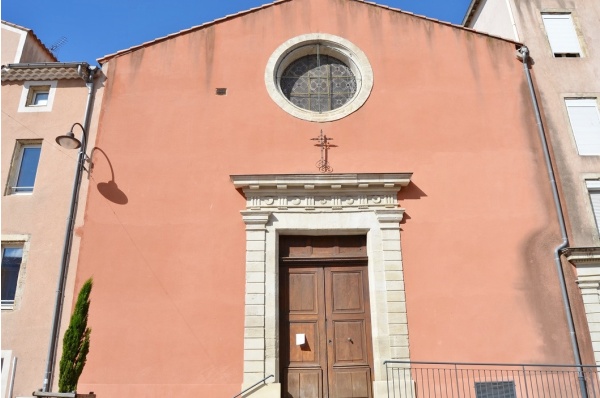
(321, 192)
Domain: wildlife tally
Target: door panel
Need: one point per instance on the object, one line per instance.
(302, 312)
(349, 330)
(346, 291)
(309, 351)
(304, 383)
(350, 343)
(352, 383)
(329, 305)
(303, 291)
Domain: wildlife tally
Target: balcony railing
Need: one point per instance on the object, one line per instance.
(490, 380)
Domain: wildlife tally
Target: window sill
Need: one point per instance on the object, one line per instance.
(567, 55)
(12, 192)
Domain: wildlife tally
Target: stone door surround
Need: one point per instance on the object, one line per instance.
(322, 204)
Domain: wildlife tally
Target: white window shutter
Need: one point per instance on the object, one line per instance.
(561, 33)
(585, 123)
(594, 190)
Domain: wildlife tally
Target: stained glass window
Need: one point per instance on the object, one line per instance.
(318, 83)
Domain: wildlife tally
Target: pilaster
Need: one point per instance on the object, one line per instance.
(587, 264)
(254, 317)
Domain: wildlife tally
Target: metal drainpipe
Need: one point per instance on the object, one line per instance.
(524, 52)
(66, 254)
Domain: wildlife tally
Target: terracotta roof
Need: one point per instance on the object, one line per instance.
(241, 13)
(45, 71)
(12, 25)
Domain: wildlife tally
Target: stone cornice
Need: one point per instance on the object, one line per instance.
(321, 192)
(348, 180)
(583, 255)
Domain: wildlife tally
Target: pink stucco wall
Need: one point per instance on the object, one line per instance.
(449, 105)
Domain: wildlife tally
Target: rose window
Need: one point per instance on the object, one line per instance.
(318, 83)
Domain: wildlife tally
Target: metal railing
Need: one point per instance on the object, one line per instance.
(490, 380)
(62, 394)
(254, 385)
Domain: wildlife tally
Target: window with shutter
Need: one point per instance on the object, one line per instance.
(585, 124)
(562, 35)
(594, 190)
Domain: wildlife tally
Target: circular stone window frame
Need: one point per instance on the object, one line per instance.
(334, 46)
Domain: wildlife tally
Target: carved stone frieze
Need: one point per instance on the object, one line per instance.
(324, 192)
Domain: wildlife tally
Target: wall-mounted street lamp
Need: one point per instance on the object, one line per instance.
(69, 141)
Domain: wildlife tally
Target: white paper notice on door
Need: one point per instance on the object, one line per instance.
(300, 339)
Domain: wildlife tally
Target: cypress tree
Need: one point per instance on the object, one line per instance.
(76, 342)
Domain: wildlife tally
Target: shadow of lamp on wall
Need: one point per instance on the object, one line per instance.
(109, 190)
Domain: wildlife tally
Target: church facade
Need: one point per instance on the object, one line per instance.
(311, 188)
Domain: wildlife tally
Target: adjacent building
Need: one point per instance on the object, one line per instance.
(304, 190)
(41, 99)
(562, 37)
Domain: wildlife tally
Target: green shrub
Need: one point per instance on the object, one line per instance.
(76, 342)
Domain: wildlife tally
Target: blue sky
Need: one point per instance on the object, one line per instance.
(94, 29)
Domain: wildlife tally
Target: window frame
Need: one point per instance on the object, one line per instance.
(21, 241)
(552, 35)
(593, 187)
(336, 46)
(31, 89)
(6, 370)
(40, 90)
(15, 167)
(579, 140)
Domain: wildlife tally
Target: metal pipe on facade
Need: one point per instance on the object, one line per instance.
(49, 374)
(524, 55)
(37, 65)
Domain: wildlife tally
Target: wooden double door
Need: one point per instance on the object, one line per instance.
(326, 329)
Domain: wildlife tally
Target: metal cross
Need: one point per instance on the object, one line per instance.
(323, 164)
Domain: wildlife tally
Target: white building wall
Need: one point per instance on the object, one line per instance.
(495, 17)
